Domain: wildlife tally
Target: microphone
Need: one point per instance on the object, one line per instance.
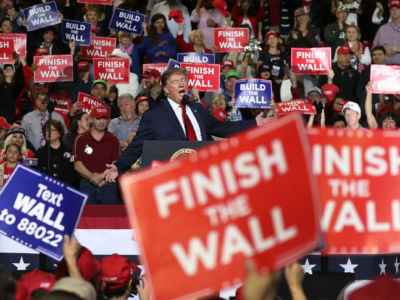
(185, 100)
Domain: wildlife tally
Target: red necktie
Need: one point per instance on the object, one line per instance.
(191, 135)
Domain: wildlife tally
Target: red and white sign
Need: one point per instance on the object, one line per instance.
(53, 68)
(101, 2)
(63, 106)
(385, 79)
(199, 218)
(89, 102)
(99, 47)
(203, 76)
(113, 69)
(359, 179)
(311, 61)
(231, 39)
(19, 42)
(160, 67)
(6, 51)
(282, 108)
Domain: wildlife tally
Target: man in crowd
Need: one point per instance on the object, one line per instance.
(92, 151)
(123, 126)
(32, 122)
(352, 114)
(334, 33)
(173, 119)
(388, 35)
(345, 76)
(150, 86)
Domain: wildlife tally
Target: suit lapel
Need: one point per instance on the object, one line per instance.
(172, 116)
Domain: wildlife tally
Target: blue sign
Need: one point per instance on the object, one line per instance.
(127, 21)
(253, 93)
(196, 57)
(172, 63)
(41, 15)
(37, 210)
(77, 31)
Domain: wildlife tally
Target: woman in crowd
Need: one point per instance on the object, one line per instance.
(276, 58)
(142, 104)
(158, 43)
(80, 123)
(11, 157)
(361, 55)
(16, 135)
(196, 38)
(61, 166)
(245, 12)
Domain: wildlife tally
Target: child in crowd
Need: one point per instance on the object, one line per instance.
(10, 157)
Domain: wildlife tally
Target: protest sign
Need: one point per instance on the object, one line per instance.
(6, 52)
(196, 57)
(172, 63)
(200, 217)
(231, 39)
(311, 61)
(253, 93)
(41, 15)
(99, 47)
(39, 212)
(358, 174)
(101, 2)
(282, 108)
(89, 102)
(77, 31)
(19, 42)
(63, 104)
(205, 77)
(53, 68)
(385, 79)
(160, 67)
(113, 69)
(127, 21)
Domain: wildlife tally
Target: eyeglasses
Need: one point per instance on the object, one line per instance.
(178, 81)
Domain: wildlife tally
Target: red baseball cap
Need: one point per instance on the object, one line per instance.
(220, 114)
(32, 281)
(88, 265)
(329, 90)
(116, 272)
(142, 98)
(4, 123)
(271, 32)
(384, 287)
(344, 50)
(221, 6)
(41, 51)
(394, 3)
(176, 14)
(100, 112)
(227, 63)
(83, 66)
(150, 73)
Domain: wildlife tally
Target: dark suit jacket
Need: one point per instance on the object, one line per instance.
(161, 123)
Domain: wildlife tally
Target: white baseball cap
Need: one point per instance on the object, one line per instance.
(353, 106)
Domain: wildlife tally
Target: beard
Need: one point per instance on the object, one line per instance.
(126, 117)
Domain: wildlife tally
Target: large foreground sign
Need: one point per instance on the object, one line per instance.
(199, 218)
(359, 179)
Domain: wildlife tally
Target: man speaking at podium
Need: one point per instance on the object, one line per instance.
(175, 118)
